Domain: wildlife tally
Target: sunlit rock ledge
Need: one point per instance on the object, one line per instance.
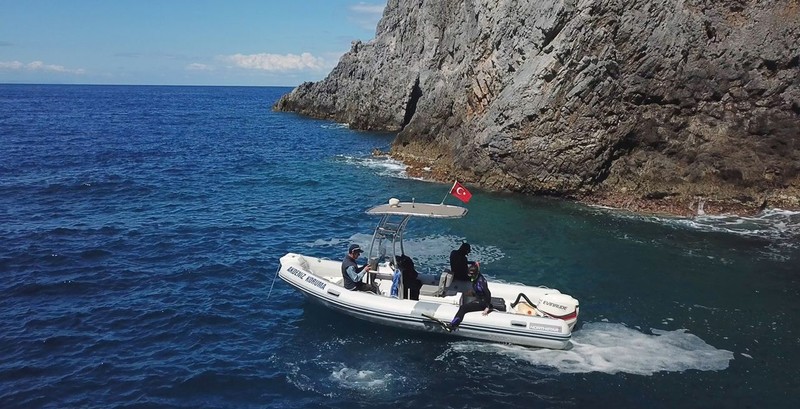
(648, 105)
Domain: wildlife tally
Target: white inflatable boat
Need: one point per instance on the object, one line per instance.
(523, 315)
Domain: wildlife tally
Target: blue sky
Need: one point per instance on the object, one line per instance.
(179, 42)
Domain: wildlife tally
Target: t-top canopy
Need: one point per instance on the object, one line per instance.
(440, 211)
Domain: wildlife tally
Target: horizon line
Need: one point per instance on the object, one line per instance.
(144, 85)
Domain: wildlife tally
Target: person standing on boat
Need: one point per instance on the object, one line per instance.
(352, 273)
(411, 282)
(481, 300)
(459, 263)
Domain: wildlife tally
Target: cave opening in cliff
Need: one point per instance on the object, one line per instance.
(411, 106)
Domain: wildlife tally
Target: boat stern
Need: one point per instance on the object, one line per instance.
(561, 306)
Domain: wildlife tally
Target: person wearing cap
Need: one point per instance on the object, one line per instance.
(459, 263)
(352, 273)
(481, 299)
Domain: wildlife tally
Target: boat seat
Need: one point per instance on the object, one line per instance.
(448, 291)
(459, 286)
(445, 281)
(498, 304)
(429, 290)
(454, 299)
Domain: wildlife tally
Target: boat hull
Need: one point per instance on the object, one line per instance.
(319, 280)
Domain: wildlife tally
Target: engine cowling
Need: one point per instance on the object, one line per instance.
(560, 306)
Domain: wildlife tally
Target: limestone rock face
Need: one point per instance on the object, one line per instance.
(652, 100)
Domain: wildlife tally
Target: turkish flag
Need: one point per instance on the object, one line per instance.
(460, 192)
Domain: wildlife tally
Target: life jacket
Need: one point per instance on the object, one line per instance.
(347, 281)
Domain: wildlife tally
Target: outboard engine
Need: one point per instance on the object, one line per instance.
(560, 306)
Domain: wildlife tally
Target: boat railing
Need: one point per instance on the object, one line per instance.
(522, 295)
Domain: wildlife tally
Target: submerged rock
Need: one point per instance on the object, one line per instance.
(611, 101)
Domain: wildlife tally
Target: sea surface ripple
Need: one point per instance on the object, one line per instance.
(140, 232)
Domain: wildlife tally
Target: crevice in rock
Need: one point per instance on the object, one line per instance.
(711, 32)
(550, 35)
(624, 146)
(770, 65)
(411, 105)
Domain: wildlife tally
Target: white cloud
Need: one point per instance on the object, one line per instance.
(38, 66)
(277, 62)
(199, 67)
(367, 15)
(371, 9)
(11, 65)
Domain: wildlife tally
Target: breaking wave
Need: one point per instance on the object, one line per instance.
(380, 165)
(773, 223)
(777, 225)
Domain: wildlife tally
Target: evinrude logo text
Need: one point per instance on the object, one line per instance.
(559, 306)
(297, 272)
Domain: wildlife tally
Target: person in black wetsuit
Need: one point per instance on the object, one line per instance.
(411, 283)
(482, 300)
(352, 273)
(459, 263)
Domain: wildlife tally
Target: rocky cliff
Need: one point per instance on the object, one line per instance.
(640, 103)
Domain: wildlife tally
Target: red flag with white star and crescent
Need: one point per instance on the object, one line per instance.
(460, 192)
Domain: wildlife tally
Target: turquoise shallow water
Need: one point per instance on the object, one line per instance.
(140, 231)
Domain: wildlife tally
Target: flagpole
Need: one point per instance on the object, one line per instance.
(450, 191)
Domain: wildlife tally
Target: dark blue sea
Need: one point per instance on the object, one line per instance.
(140, 232)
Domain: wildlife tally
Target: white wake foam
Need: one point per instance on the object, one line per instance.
(360, 379)
(613, 348)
